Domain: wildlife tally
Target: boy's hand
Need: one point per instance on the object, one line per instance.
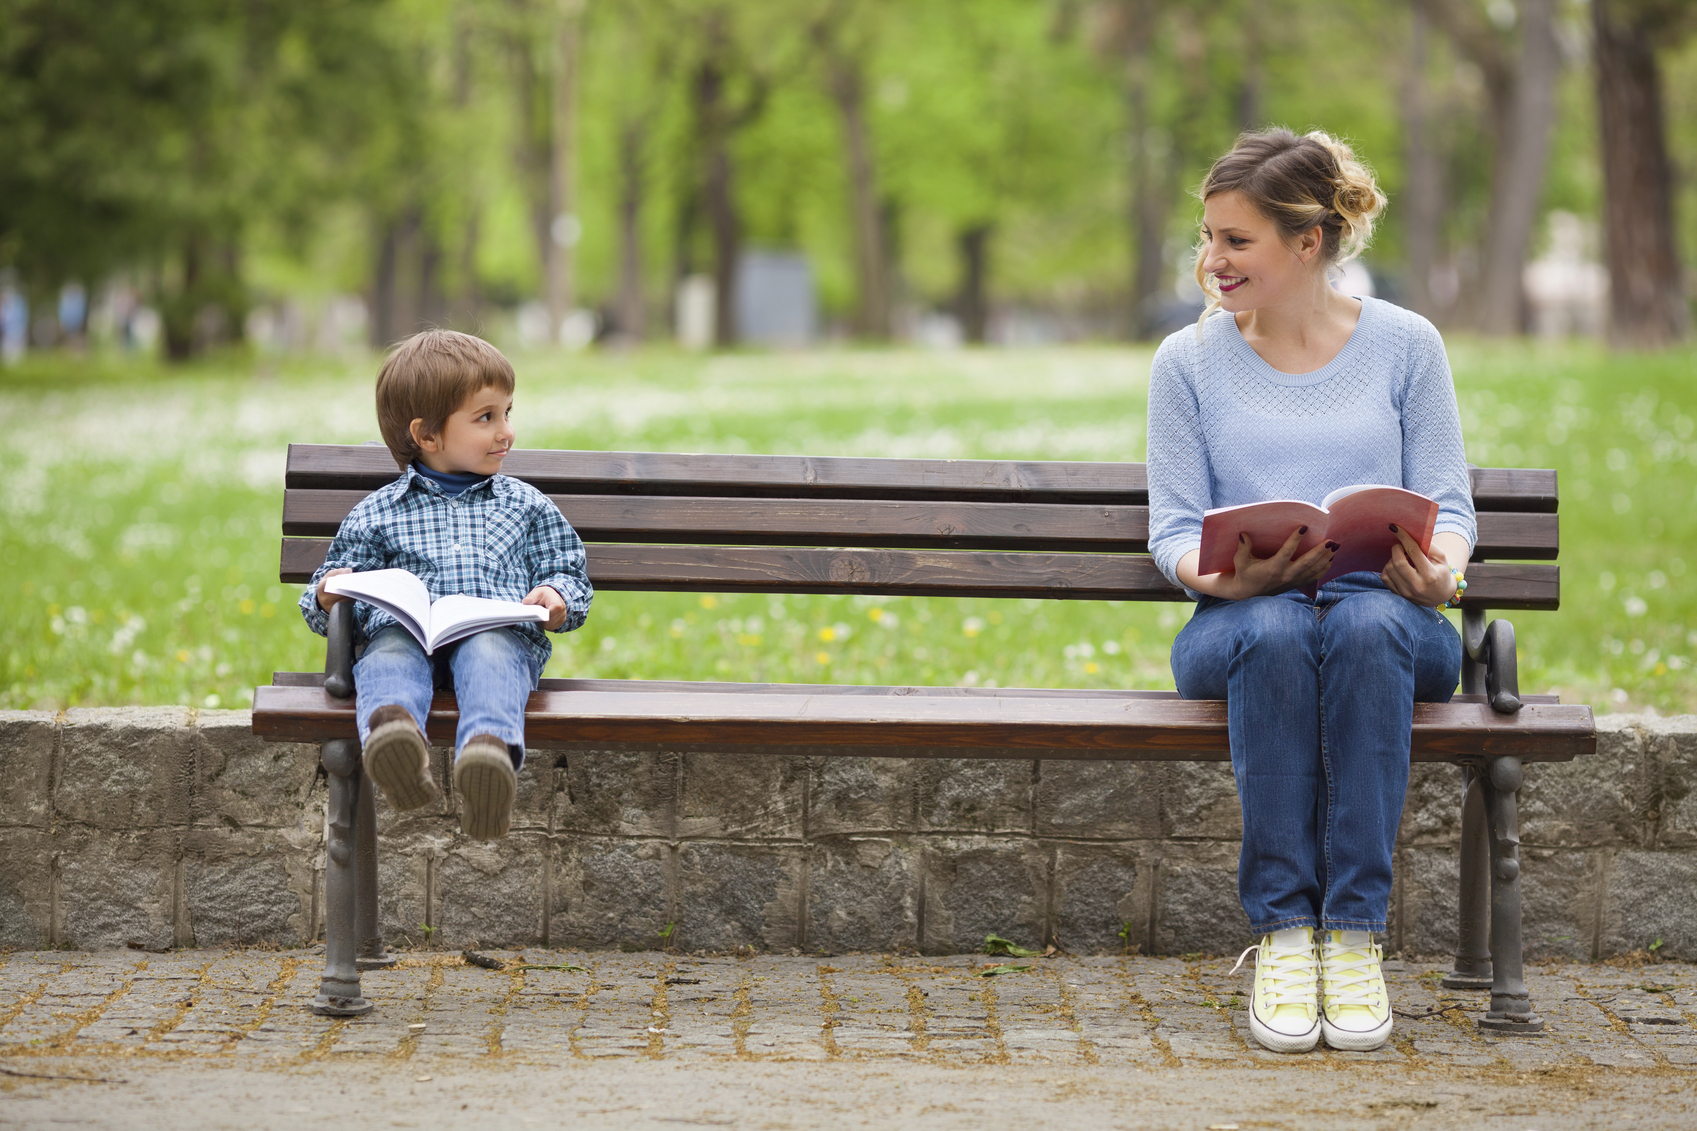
(326, 600)
(549, 598)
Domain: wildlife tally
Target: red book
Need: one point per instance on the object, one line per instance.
(1358, 518)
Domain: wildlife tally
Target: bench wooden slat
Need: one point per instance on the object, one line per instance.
(880, 522)
(920, 573)
(1081, 725)
(368, 466)
(671, 686)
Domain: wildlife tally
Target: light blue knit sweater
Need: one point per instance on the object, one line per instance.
(1227, 428)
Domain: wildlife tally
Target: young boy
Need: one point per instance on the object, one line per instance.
(443, 404)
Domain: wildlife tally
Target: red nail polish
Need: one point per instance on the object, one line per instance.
(1332, 546)
(1393, 528)
(1302, 530)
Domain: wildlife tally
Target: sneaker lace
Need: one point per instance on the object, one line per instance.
(1352, 976)
(1289, 970)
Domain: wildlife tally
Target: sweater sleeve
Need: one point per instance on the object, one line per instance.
(1180, 485)
(358, 546)
(1434, 458)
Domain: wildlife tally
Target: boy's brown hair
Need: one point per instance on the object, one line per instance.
(428, 377)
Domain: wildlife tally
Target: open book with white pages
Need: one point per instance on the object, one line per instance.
(403, 596)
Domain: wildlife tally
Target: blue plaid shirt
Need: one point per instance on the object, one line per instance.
(499, 539)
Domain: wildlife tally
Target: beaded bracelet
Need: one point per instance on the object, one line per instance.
(1460, 587)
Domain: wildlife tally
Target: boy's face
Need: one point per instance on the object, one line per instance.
(475, 439)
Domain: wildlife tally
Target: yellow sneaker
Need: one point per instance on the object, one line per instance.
(1355, 1007)
(1283, 1009)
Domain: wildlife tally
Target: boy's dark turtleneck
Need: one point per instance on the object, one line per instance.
(451, 482)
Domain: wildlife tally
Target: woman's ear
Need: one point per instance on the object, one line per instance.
(425, 441)
(1308, 244)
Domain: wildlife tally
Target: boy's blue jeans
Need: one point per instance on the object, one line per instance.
(491, 673)
(1319, 703)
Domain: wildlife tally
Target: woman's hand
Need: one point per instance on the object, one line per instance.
(1421, 578)
(548, 598)
(327, 601)
(1254, 577)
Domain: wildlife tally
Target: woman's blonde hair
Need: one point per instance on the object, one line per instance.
(1299, 183)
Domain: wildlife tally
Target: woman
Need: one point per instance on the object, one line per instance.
(1288, 389)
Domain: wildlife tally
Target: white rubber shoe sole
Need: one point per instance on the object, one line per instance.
(1283, 1042)
(487, 784)
(398, 763)
(1348, 1040)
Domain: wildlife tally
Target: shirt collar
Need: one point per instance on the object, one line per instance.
(430, 486)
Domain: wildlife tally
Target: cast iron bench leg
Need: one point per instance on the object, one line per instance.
(1473, 948)
(1511, 1005)
(372, 954)
(338, 990)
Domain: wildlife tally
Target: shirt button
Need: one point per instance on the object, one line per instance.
(456, 547)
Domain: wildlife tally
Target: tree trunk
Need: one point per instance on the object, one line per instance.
(383, 289)
(1647, 302)
(1148, 204)
(973, 304)
(847, 82)
(631, 315)
(563, 225)
(719, 197)
(1422, 198)
(1525, 117)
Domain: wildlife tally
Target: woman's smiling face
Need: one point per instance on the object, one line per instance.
(1248, 256)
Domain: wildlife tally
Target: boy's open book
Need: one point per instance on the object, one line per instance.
(1357, 518)
(403, 596)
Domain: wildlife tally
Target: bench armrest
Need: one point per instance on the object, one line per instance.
(339, 651)
(1492, 648)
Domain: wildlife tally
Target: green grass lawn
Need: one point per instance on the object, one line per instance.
(140, 518)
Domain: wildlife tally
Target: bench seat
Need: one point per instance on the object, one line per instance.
(948, 722)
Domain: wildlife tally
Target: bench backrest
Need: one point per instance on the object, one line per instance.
(793, 524)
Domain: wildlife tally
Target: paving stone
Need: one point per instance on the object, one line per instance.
(27, 742)
(608, 793)
(862, 894)
(1102, 800)
(861, 795)
(241, 780)
(126, 768)
(738, 895)
(609, 893)
(742, 796)
(990, 795)
(1101, 895)
(976, 886)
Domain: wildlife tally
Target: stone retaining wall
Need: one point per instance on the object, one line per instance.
(171, 827)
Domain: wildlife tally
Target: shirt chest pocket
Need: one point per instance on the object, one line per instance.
(504, 549)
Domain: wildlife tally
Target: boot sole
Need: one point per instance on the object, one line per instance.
(398, 763)
(487, 785)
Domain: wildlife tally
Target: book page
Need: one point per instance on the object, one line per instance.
(457, 616)
(1361, 524)
(1267, 524)
(397, 592)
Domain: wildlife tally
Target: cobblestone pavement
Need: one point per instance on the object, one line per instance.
(225, 1038)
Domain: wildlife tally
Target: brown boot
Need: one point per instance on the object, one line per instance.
(398, 759)
(487, 784)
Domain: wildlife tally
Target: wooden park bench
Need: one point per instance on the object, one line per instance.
(979, 528)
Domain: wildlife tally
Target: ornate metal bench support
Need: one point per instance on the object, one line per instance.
(1473, 949)
(338, 991)
(1511, 1006)
(373, 955)
(351, 827)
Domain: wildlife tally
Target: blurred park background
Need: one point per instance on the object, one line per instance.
(859, 227)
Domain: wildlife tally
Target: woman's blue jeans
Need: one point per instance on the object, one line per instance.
(1320, 701)
(492, 675)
